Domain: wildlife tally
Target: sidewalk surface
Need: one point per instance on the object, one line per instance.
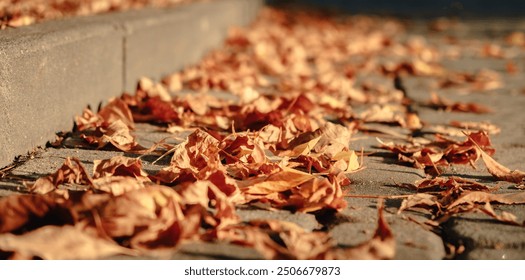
(380, 76)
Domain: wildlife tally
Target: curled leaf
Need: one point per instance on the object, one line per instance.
(71, 172)
(61, 243)
(497, 170)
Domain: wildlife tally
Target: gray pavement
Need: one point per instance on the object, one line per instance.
(474, 236)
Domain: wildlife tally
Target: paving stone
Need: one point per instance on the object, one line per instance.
(381, 176)
(412, 240)
(495, 254)
(48, 161)
(476, 231)
(199, 251)
(219, 251)
(306, 221)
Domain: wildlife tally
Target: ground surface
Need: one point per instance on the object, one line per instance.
(22, 13)
(444, 57)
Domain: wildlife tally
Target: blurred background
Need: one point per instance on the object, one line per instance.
(420, 8)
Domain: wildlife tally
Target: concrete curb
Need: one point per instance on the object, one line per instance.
(50, 71)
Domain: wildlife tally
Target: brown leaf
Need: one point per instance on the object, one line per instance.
(501, 172)
(420, 200)
(505, 217)
(274, 183)
(314, 195)
(117, 185)
(497, 170)
(71, 172)
(456, 128)
(149, 218)
(26, 212)
(117, 134)
(119, 166)
(153, 89)
(441, 103)
(208, 194)
(453, 182)
(61, 243)
(385, 114)
(334, 139)
(487, 209)
(193, 158)
(277, 239)
(483, 197)
(441, 152)
(117, 110)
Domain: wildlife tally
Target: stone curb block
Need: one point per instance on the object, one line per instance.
(50, 71)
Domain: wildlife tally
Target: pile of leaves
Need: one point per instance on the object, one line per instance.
(15, 13)
(270, 119)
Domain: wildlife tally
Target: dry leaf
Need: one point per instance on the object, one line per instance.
(454, 182)
(441, 103)
(71, 172)
(150, 218)
(274, 183)
(117, 134)
(316, 194)
(420, 200)
(61, 243)
(485, 126)
(277, 239)
(26, 212)
(117, 185)
(483, 197)
(497, 170)
(119, 166)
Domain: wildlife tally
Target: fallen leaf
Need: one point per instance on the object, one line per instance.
(119, 166)
(483, 197)
(71, 172)
(497, 170)
(61, 243)
(147, 218)
(277, 239)
(420, 200)
(26, 212)
(485, 126)
(442, 103)
(117, 185)
(447, 183)
(117, 134)
(274, 183)
(316, 194)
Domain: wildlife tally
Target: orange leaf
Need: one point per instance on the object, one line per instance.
(60, 243)
(497, 170)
